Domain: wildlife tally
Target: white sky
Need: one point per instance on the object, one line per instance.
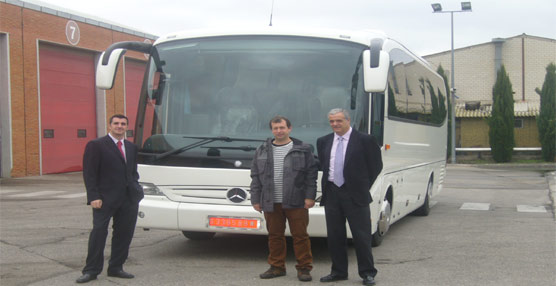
(409, 21)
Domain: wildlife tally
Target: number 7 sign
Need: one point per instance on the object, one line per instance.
(72, 32)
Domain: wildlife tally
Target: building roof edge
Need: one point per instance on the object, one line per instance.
(488, 43)
(77, 16)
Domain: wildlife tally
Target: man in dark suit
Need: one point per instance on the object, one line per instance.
(350, 162)
(113, 191)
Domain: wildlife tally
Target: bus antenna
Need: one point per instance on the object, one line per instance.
(271, 10)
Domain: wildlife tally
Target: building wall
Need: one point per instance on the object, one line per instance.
(528, 135)
(10, 22)
(5, 120)
(527, 72)
(475, 72)
(474, 132)
(27, 29)
(525, 59)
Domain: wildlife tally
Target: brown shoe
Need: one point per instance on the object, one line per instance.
(273, 272)
(304, 275)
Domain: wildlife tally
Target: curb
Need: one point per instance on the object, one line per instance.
(73, 177)
(546, 166)
(549, 170)
(551, 180)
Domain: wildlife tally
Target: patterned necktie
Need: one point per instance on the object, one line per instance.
(121, 150)
(339, 163)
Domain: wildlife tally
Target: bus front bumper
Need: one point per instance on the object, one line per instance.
(161, 213)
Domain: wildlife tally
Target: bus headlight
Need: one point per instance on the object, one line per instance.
(151, 189)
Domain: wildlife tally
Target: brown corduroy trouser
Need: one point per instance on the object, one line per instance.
(298, 219)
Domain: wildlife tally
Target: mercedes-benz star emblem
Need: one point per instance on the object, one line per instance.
(236, 195)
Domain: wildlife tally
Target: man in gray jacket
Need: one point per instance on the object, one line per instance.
(284, 186)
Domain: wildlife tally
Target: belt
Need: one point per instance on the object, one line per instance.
(331, 185)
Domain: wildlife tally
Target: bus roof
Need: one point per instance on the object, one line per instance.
(360, 36)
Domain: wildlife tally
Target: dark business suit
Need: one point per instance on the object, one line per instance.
(113, 180)
(362, 164)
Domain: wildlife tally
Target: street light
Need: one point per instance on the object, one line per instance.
(466, 6)
(437, 8)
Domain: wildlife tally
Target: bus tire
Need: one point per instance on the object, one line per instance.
(425, 209)
(197, 235)
(383, 223)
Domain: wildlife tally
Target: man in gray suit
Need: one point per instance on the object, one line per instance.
(350, 161)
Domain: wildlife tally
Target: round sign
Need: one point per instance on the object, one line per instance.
(72, 33)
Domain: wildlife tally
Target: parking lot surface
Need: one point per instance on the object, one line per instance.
(490, 226)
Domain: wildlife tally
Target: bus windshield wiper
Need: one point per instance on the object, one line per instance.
(225, 138)
(243, 148)
(204, 141)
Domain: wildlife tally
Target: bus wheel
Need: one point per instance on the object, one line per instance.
(425, 209)
(383, 223)
(195, 235)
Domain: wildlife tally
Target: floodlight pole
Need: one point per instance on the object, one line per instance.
(453, 93)
(437, 8)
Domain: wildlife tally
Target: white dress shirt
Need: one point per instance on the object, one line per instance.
(116, 142)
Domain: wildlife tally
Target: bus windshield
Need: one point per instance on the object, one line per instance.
(227, 89)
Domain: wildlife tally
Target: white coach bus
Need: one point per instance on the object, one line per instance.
(207, 97)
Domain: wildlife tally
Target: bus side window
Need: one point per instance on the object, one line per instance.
(377, 117)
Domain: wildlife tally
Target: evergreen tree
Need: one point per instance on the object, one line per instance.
(501, 121)
(442, 73)
(546, 121)
(392, 109)
(441, 105)
(435, 112)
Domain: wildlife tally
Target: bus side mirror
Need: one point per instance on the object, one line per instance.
(106, 70)
(375, 72)
(108, 62)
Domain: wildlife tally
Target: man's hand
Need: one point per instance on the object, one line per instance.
(96, 204)
(309, 203)
(258, 208)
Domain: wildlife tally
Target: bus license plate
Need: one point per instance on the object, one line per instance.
(231, 222)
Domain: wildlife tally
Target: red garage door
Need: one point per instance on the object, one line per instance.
(68, 118)
(134, 72)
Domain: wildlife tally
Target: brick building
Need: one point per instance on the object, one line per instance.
(49, 105)
(525, 58)
(50, 108)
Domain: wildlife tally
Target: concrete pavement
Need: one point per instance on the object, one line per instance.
(44, 233)
(76, 179)
(551, 180)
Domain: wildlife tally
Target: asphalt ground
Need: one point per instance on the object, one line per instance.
(44, 227)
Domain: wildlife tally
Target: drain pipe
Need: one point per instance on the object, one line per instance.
(523, 67)
(498, 42)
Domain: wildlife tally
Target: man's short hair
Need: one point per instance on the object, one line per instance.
(278, 119)
(121, 116)
(340, 110)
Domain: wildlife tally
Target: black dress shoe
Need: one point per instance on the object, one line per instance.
(369, 280)
(121, 274)
(332, 278)
(86, 278)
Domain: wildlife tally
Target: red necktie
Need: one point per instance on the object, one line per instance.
(121, 150)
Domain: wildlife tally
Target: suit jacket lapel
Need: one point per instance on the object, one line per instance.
(113, 148)
(350, 147)
(128, 150)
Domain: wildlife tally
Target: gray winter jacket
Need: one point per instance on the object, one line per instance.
(300, 176)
